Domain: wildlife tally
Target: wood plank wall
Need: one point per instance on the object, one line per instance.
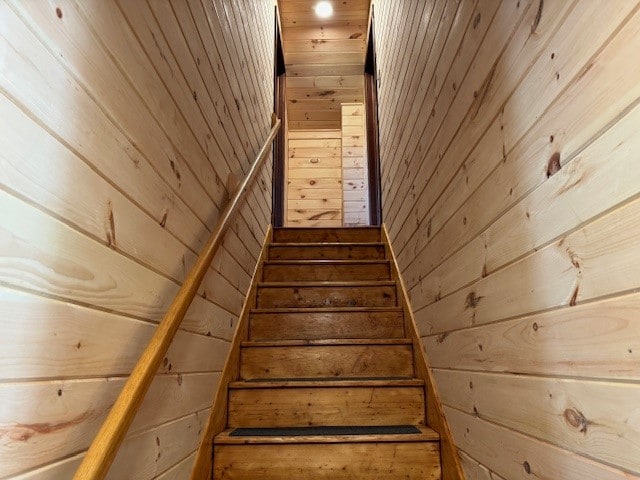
(509, 145)
(314, 178)
(355, 177)
(324, 60)
(314, 102)
(121, 121)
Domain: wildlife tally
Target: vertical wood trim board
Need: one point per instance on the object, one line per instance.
(121, 124)
(508, 137)
(355, 177)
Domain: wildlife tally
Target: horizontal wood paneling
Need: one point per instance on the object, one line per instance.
(314, 178)
(319, 98)
(476, 471)
(575, 413)
(508, 148)
(70, 412)
(596, 339)
(513, 455)
(144, 455)
(324, 60)
(121, 124)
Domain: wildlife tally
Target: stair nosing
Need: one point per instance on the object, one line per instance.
(326, 342)
(337, 383)
(356, 283)
(426, 435)
(296, 310)
(363, 227)
(326, 244)
(328, 261)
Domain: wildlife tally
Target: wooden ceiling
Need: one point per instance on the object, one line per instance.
(324, 60)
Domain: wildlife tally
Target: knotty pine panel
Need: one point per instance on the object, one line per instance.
(314, 178)
(175, 438)
(114, 167)
(507, 136)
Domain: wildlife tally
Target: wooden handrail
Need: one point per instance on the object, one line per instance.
(105, 445)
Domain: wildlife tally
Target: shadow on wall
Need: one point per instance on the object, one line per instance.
(121, 123)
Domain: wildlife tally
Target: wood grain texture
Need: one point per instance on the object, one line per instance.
(326, 323)
(356, 294)
(90, 341)
(314, 175)
(313, 235)
(449, 453)
(511, 203)
(354, 164)
(576, 413)
(217, 421)
(352, 251)
(327, 361)
(153, 449)
(59, 430)
(106, 443)
(324, 60)
(114, 163)
(476, 471)
(325, 270)
(344, 405)
(341, 461)
(519, 456)
(523, 345)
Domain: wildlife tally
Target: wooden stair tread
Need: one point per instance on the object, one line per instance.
(328, 382)
(326, 309)
(327, 342)
(357, 283)
(328, 249)
(426, 435)
(329, 261)
(333, 234)
(326, 244)
(326, 270)
(362, 227)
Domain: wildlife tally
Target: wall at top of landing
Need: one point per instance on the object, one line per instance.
(121, 121)
(509, 150)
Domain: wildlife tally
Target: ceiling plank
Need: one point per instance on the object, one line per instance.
(333, 31)
(324, 60)
(322, 45)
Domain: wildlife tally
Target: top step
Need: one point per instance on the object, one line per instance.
(320, 235)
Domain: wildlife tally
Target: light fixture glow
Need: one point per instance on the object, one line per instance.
(323, 9)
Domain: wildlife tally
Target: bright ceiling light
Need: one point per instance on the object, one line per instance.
(323, 9)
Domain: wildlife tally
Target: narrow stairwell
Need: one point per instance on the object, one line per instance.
(327, 385)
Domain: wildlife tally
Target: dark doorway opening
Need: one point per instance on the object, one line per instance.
(279, 106)
(373, 146)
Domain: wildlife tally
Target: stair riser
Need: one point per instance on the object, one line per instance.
(321, 406)
(320, 273)
(319, 325)
(364, 461)
(326, 296)
(348, 361)
(317, 235)
(360, 252)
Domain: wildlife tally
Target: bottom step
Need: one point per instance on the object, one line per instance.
(316, 457)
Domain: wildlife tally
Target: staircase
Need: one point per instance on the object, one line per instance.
(327, 386)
